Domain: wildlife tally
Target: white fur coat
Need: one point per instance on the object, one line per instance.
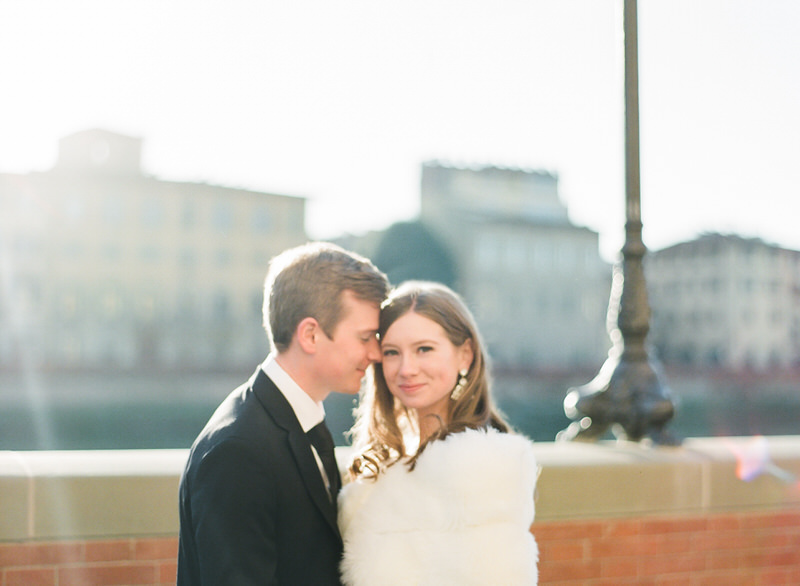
(462, 516)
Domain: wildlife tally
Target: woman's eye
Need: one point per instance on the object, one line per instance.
(390, 352)
(425, 349)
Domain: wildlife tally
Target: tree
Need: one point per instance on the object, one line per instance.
(409, 250)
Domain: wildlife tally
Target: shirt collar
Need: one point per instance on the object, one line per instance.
(308, 412)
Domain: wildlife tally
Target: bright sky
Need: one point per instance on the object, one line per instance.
(341, 101)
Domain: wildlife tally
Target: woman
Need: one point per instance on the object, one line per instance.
(442, 492)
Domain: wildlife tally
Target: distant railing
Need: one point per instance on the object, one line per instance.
(714, 508)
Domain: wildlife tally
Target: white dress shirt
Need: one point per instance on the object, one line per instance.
(308, 411)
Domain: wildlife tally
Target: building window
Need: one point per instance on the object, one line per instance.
(261, 258)
(257, 302)
(487, 251)
(113, 210)
(543, 256)
(112, 252)
(296, 220)
(69, 306)
(223, 217)
(261, 220)
(73, 250)
(514, 253)
(111, 303)
(220, 306)
(74, 209)
(146, 306)
(223, 257)
(150, 253)
(566, 257)
(187, 305)
(188, 258)
(189, 215)
(152, 213)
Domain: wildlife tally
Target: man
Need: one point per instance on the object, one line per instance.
(257, 505)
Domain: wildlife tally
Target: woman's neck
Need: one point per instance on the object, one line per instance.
(428, 425)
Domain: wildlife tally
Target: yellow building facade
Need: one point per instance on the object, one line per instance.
(104, 266)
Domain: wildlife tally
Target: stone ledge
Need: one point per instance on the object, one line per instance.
(621, 479)
(100, 494)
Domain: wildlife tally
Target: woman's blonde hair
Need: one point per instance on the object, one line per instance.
(382, 422)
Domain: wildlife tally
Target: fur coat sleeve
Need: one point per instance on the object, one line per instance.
(462, 516)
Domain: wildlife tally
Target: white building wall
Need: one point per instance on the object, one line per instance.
(726, 300)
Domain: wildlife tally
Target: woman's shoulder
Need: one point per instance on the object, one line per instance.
(487, 451)
(488, 442)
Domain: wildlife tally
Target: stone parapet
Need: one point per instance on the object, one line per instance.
(607, 513)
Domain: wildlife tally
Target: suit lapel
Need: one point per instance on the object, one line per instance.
(281, 412)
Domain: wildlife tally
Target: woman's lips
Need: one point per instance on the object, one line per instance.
(409, 388)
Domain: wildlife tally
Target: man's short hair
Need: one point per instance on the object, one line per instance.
(308, 281)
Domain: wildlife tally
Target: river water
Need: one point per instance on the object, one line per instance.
(79, 411)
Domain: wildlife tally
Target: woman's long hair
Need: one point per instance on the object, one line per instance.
(383, 425)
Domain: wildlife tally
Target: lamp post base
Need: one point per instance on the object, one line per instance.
(626, 397)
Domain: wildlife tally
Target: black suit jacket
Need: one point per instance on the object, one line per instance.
(253, 506)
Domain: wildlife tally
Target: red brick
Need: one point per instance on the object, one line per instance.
(620, 568)
(618, 547)
(168, 572)
(767, 520)
(562, 550)
(674, 580)
(676, 525)
(775, 577)
(108, 551)
(724, 523)
(723, 560)
(30, 577)
(612, 582)
(567, 530)
(782, 557)
(671, 564)
(717, 578)
(624, 528)
(107, 575)
(785, 519)
(585, 570)
(672, 543)
(40, 554)
(720, 541)
(156, 548)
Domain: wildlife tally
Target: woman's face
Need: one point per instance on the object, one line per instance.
(421, 364)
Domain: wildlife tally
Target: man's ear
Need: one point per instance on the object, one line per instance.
(307, 333)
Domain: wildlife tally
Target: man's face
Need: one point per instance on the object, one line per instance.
(344, 358)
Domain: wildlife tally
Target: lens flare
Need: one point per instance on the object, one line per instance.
(753, 460)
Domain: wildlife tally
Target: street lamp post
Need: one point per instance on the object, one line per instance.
(627, 395)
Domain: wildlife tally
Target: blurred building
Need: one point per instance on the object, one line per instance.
(103, 266)
(535, 281)
(725, 301)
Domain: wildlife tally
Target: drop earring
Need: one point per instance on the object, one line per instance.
(460, 386)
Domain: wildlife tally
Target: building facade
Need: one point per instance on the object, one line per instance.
(104, 266)
(725, 301)
(535, 281)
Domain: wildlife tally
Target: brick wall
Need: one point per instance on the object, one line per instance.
(752, 549)
(607, 514)
(747, 549)
(145, 561)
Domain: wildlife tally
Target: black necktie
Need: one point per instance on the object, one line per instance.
(321, 439)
